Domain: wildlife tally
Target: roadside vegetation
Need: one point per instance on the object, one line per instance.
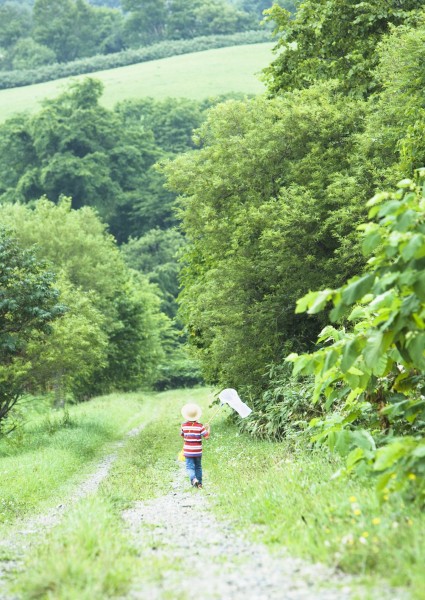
(41, 460)
(283, 494)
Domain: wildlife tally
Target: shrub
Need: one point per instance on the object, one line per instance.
(284, 409)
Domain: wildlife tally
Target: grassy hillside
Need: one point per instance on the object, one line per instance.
(197, 75)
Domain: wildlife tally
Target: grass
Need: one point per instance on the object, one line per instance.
(291, 500)
(53, 451)
(280, 494)
(147, 464)
(89, 556)
(197, 75)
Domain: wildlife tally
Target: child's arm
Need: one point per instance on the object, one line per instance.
(207, 432)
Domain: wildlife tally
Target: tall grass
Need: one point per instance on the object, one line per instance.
(52, 452)
(288, 496)
(282, 494)
(147, 464)
(89, 556)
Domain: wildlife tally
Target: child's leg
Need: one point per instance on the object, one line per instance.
(190, 468)
(198, 468)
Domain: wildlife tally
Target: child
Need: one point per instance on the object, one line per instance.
(192, 432)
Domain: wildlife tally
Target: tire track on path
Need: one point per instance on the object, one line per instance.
(28, 532)
(186, 551)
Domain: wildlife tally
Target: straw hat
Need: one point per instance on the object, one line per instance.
(191, 412)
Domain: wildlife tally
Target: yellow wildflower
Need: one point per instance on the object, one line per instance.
(411, 476)
(376, 521)
(357, 511)
(352, 499)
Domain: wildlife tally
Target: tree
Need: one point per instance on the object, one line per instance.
(146, 21)
(392, 145)
(136, 351)
(75, 29)
(80, 246)
(28, 54)
(333, 39)
(75, 348)
(372, 373)
(15, 23)
(28, 306)
(190, 19)
(156, 255)
(75, 147)
(55, 27)
(263, 200)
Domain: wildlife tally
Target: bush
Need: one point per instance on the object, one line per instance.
(285, 409)
(10, 79)
(178, 372)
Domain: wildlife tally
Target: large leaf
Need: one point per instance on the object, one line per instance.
(351, 352)
(419, 286)
(371, 241)
(416, 349)
(415, 247)
(373, 349)
(389, 455)
(322, 298)
(358, 288)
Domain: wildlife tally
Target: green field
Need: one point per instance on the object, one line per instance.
(197, 75)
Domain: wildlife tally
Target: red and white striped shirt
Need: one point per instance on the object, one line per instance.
(192, 433)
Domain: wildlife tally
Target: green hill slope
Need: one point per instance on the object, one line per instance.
(197, 75)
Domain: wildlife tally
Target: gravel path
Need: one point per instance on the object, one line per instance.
(29, 532)
(187, 552)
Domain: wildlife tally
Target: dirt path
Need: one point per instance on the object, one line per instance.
(29, 532)
(187, 552)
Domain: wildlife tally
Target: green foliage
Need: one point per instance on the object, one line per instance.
(372, 373)
(106, 300)
(211, 17)
(75, 147)
(101, 158)
(15, 23)
(392, 145)
(145, 23)
(178, 370)
(284, 409)
(262, 200)
(28, 304)
(292, 501)
(76, 347)
(155, 254)
(164, 49)
(171, 120)
(28, 54)
(136, 338)
(40, 460)
(333, 39)
(74, 29)
(149, 21)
